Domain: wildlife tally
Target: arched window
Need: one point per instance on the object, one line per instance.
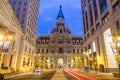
(60, 50)
(60, 31)
(73, 50)
(42, 50)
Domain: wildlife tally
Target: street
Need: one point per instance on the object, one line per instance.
(45, 75)
(69, 74)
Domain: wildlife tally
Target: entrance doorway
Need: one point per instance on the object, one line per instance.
(60, 62)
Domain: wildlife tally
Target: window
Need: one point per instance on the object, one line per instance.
(25, 4)
(116, 6)
(46, 50)
(73, 50)
(88, 1)
(38, 50)
(22, 21)
(18, 9)
(42, 50)
(93, 31)
(19, 3)
(85, 39)
(23, 15)
(14, 3)
(103, 5)
(17, 15)
(81, 50)
(91, 15)
(60, 31)
(77, 50)
(25, 48)
(60, 50)
(24, 9)
(88, 35)
(95, 9)
(52, 51)
(86, 18)
(84, 26)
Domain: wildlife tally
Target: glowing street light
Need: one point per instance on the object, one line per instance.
(10, 37)
(1, 37)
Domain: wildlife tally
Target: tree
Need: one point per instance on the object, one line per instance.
(79, 62)
(39, 63)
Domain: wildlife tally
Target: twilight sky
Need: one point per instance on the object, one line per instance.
(49, 11)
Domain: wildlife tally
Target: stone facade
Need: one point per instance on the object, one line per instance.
(9, 26)
(59, 48)
(26, 12)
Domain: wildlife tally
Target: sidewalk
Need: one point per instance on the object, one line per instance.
(99, 75)
(14, 74)
(59, 76)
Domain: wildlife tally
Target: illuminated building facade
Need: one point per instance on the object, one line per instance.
(59, 48)
(10, 37)
(27, 14)
(100, 20)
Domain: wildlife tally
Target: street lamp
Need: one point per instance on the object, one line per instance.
(115, 45)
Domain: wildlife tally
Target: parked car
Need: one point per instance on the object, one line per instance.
(37, 70)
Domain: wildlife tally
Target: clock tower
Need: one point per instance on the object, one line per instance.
(60, 48)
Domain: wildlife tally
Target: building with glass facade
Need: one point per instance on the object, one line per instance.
(100, 20)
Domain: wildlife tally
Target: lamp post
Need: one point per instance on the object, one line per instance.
(115, 45)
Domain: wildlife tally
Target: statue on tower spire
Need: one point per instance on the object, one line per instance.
(60, 6)
(60, 14)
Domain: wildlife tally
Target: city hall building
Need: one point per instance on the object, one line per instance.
(60, 48)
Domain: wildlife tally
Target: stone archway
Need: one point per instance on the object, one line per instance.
(60, 62)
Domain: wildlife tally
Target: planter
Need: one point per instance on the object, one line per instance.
(116, 74)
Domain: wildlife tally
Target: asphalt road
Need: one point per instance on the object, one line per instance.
(45, 75)
(68, 76)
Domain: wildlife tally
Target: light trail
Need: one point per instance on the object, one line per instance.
(78, 76)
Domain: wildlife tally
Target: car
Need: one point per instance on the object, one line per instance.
(37, 70)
